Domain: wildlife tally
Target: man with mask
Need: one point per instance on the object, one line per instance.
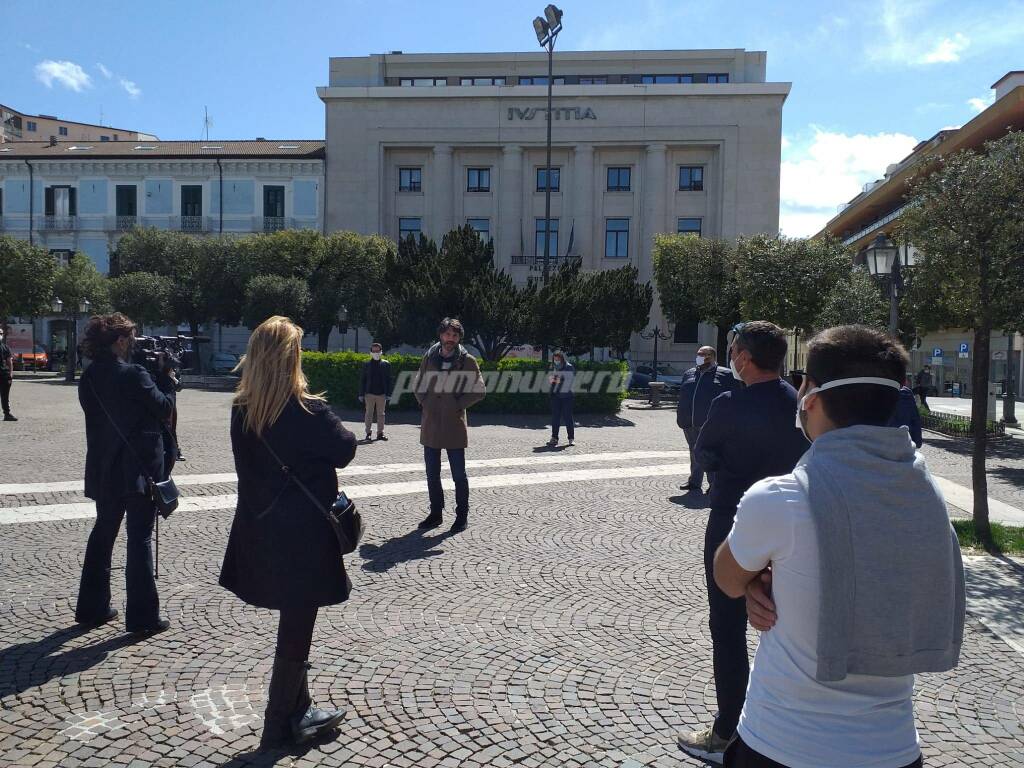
(375, 389)
(700, 386)
(748, 435)
(853, 612)
(448, 383)
(923, 385)
(561, 379)
(6, 377)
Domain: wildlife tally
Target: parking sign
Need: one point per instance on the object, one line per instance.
(963, 349)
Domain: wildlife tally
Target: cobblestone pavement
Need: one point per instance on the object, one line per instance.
(566, 627)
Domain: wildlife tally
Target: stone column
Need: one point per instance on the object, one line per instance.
(654, 206)
(440, 186)
(583, 207)
(510, 206)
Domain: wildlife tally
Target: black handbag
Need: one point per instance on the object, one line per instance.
(164, 493)
(343, 517)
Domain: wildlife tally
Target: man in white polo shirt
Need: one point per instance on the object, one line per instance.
(851, 569)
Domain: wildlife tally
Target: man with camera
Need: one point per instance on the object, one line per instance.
(6, 377)
(448, 383)
(128, 449)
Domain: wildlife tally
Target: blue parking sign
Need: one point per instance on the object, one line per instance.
(937, 352)
(963, 347)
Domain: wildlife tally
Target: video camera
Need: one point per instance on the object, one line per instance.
(160, 354)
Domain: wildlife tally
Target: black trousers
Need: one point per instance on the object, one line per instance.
(142, 610)
(295, 633)
(696, 470)
(5, 391)
(739, 755)
(457, 463)
(561, 413)
(728, 624)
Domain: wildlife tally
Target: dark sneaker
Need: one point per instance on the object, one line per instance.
(156, 629)
(9, 417)
(705, 744)
(552, 442)
(382, 437)
(431, 521)
(110, 615)
(369, 437)
(461, 522)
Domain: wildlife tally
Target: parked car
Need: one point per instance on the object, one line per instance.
(223, 362)
(36, 360)
(667, 375)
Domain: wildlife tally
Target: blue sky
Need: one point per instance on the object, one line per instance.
(870, 77)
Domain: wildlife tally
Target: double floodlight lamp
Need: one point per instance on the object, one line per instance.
(548, 26)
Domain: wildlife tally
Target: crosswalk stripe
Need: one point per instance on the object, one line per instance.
(367, 491)
(17, 489)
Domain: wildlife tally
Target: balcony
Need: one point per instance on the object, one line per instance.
(125, 223)
(59, 223)
(275, 223)
(192, 224)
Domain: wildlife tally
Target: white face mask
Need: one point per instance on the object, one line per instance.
(375, 355)
(701, 360)
(837, 383)
(735, 373)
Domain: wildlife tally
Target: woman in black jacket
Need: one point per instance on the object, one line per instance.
(282, 553)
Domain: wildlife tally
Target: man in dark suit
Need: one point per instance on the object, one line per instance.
(750, 434)
(128, 444)
(701, 384)
(6, 377)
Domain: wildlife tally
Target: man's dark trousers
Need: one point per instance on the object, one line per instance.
(561, 413)
(457, 464)
(143, 605)
(728, 631)
(696, 471)
(5, 391)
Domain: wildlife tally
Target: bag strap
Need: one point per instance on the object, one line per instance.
(120, 434)
(292, 476)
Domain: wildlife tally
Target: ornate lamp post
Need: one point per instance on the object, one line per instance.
(655, 333)
(547, 29)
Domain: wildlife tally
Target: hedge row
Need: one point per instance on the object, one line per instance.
(337, 374)
(956, 426)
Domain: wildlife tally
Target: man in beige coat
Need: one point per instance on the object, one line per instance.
(448, 383)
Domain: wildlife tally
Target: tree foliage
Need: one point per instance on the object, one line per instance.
(142, 296)
(77, 282)
(26, 278)
(269, 295)
(966, 218)
(856, 299)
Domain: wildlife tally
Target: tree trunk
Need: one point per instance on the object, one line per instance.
(979, 418)
(323, 337)
(193, 329)
(72, 363)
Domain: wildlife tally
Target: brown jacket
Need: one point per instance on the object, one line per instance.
(445, 395)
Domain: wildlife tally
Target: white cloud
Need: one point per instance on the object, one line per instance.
(948, 50)
(980, 105)
(828, 168)
(104, 71)
(66, 73)
(131, 88)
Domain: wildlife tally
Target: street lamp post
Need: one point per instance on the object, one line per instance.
(655, 334)
(1010, 397)
(547, 29)
(881, 257)
(72, 361)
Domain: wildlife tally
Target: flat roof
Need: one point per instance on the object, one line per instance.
(56, 119)
(143, 149)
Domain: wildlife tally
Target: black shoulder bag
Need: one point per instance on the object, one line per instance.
(343, 517)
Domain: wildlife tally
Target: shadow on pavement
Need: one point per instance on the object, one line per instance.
(516, 420)
(29, 665)
(257, 758)
(415, 545)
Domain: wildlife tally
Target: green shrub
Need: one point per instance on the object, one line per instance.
(337, 374)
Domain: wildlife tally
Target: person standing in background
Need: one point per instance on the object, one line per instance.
(375, 389)
(6, 377)
(701, 384)
(561, 380)
(923, 385)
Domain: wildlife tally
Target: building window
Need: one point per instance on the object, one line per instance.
(410, 179)
(542, 179)
(427, 82)
(718, 78)
(691, 178)
(666, 79)
(104, 138)
(688, 227)
(685, 333)
(31, 126)
(478, 179)
(616, 239)
(60, 201)
(539, 238)
(618, 179)
(482, 81)
(61, 255)
(482, 227)
(62, 130)
(540, 81)
(115, 137)
(408, 228)
(602, 80)
(126, 200)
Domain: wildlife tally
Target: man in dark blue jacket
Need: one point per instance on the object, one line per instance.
(699, 387)
(749, 434)
(907, 415)
(128, 443)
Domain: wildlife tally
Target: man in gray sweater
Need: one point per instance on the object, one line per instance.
(851, 570)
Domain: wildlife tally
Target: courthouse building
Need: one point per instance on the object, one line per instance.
(644, 142)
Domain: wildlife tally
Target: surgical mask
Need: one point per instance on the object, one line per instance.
(735, 373)
(375, 355)
(701, 360)
(800, 421)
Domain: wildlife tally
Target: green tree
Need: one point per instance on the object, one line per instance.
(855, 300)
(696, 279)
(143, 296)
(269, 295)
(966, 218)
(76, 283)
(26, 278)
(620, 304)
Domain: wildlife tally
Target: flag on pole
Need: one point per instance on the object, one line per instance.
(572, 232)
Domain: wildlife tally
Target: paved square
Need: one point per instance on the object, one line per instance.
(566, 627)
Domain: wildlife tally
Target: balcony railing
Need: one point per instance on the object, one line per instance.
(274, 223)
(124, 223)
(59, 223)
(193, 223)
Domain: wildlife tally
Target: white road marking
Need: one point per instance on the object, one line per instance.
(15, 489)
(367, 491)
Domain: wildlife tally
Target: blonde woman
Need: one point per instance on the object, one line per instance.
(282, 553)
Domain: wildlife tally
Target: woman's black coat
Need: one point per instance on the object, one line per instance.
(282, 552)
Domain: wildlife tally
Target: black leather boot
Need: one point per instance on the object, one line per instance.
(310, 722)
(461, 521)
(286, 682)
(432, 520)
